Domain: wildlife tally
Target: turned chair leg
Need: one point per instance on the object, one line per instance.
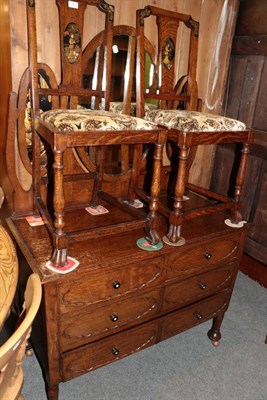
(36, 162)
(60, 242)
(137, 161)
(100, 173)
(173, 237)
(236, 216)
(151, 233)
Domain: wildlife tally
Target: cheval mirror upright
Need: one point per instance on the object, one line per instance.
(64, 128)
(178, 111)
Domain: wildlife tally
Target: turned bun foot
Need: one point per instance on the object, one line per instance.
(214, 335)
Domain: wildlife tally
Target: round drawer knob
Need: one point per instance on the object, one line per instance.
(208, 256)
(116, 284)
(114, 318)
(115, 351)
(199, 316)
(202, 286)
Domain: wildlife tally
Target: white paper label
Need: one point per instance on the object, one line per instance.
(73, 4)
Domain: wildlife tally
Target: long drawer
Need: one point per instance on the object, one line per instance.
(179, 321)
(95, 288)
(199, 286)
(105, 351)
(93, 322)
(192, 259)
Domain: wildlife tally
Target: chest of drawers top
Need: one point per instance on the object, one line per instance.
(209, 241)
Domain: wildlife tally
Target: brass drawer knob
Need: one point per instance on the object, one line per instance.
(115, 351)
(116, 284)
(208, 256)
(114, 318)
(199, 316)
(202, 286)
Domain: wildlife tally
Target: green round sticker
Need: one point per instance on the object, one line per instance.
(144, 244)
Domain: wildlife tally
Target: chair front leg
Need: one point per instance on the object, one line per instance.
(151, 229)
(173, 237)
(60, 241)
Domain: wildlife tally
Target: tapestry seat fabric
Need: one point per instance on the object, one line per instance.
(193, 121)
(85, 119)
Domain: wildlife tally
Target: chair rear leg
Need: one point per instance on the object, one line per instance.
(99, 179)
(173, 237)
(236, 215)
(137, 160)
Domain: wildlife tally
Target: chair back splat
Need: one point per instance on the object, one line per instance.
(170, 95)
(178, 110)
(71, 190)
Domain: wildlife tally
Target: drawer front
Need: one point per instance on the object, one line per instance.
(105, 351)
(197, 287)
(195, 258)
(94, 322)
(94, 288)
(190, 316)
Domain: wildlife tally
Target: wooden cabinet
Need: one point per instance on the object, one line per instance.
(122, 299)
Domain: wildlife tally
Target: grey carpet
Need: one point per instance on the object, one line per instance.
(185, 367)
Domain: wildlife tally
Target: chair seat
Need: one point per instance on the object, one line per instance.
(84, 120)
(193, 121)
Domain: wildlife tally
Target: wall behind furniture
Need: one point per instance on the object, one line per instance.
(246, 99)
(217, 23)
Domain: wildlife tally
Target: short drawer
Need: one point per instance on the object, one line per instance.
(197, 287)
(94, 322)
(190, 316)
(191, 259)
(94, 288)
(105, 351)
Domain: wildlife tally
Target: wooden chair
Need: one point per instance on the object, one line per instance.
(8, 274)
(65, 128)
(123, 64)
(13, 350)
(177, 111)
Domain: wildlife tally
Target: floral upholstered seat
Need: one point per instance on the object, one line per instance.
(193, 121)
(84, 119)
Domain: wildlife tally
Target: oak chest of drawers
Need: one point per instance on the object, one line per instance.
(122, 299)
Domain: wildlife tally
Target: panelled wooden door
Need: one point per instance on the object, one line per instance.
(246, 99)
